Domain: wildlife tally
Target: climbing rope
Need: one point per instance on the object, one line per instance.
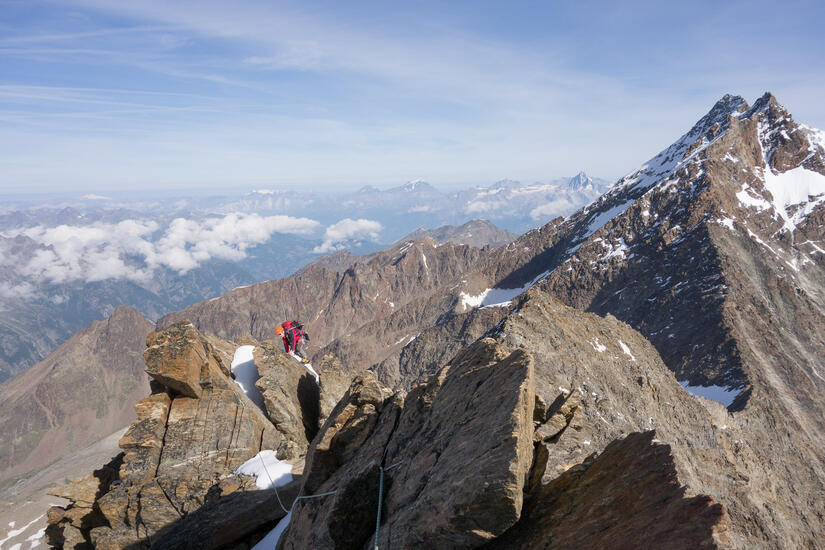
(381, 471)
(272, 484)
(380, 499)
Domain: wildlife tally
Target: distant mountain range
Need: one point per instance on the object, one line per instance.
(62, 267)
(509, 204)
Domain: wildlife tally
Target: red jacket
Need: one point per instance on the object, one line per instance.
(293, 332)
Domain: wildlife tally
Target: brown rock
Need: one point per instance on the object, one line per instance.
(463, 452)
(177, 452)
(69, 527)
(335, 380)
(229, 521)
(175, 357)
(349, 425)
(143, 441)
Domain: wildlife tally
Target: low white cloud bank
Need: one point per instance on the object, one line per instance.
(134, 249)
(347, 229)
(477, 207)
(22, 290)
(554, 208)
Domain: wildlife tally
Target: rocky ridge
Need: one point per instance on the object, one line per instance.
(521, 423)
(708, 197)
(174, 486)
(369, 312)
(477, 233)
(194, 428)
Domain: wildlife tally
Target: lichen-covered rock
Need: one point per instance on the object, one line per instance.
(69, 527)
(464, 447)
(349, 425)
(335, 380)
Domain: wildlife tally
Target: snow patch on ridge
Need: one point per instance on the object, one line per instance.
(603, 218)
(615, 250)
(246, 374)
(749, 198)
(272, 538)
(597, 346)
(308, 367)
(269, 472)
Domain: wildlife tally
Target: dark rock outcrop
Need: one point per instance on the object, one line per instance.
(608, 500)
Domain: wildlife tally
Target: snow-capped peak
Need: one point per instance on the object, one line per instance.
(683, 162)
(416, 185)
(580, 181)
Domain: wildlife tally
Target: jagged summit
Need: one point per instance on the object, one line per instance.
(580, 181)
(765, 101)
(718, 219)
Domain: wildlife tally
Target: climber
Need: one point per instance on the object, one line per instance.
(294, 336)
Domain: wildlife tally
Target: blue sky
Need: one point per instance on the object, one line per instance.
(99, 95)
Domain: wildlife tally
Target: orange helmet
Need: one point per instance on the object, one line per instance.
(279, 329)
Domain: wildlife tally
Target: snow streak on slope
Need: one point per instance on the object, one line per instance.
(656, 172)
(685, 149)
(270, 541)
(795, 187)
(246, 374)
(308, 367)
(14, 532)
(497, 297)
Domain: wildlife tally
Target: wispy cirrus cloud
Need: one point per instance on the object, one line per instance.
(461, 94)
